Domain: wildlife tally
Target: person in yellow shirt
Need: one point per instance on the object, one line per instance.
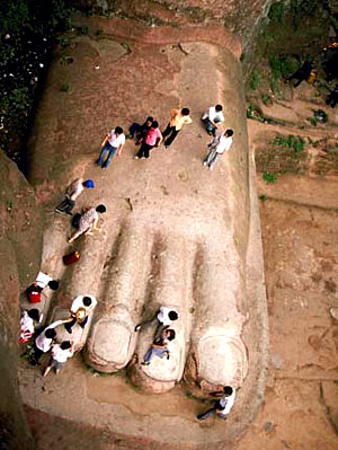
(177, 119)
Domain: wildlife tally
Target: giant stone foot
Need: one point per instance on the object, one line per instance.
(175, 234)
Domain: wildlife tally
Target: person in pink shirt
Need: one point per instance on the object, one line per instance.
(153, 139)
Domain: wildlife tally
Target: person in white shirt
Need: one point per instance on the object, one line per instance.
(212, 117)
(73, 192)
(113, 142)
(218, 146)
(42, 281)
(165, 316)
(222, 406)
(60, 354)
(43, 343)
(84, 302)
(28, 321)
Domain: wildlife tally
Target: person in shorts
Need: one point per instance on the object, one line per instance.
(60, 354)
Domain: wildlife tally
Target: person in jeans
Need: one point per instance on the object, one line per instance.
(152, 139)
(178, 117)
(60, 354)
(140, 131)
(222, 406)
(218, 146)
(88, 222)
(72, 193)
(212, 117)
(113, 143)
(160, 346)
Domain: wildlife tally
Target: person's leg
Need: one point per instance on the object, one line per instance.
(147, 149)
(147, 357)
(103, 154)
(210, 412)
(210, 156)
(140, 153)
(49, 367)
(112, 151)
(36, 356)
(208, 126)
(58, 366)
(172, 137)
(69, 206)
(76, 235)
(214, 160)
(69, 325)
(84, 323)
(222, 416)
(167, 131)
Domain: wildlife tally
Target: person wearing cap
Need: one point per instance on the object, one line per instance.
(79, 312)
(223, 405)
(72, 193)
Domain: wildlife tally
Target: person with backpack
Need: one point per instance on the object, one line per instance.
(222, 406)
(152, 139)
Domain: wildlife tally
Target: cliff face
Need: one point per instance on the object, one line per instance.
(21, 227)
(238, 16)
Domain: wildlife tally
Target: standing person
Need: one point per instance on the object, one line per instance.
(88, 222)
(159, 347)
(332, 99)
(44, 341)
(302, 73)
(72, 193)
(177, 119)
(219, 145)
(221, 407)
(212, 117)
(60, 354)
(84, 302)
(152, 139)
(140, 131)
(114, 141)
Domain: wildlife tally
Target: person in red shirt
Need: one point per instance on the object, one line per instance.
(153, 139)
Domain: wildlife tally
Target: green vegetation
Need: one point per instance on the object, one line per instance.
(277, 12)
(269, 177)
(266, 99)
(99, 32)
(67, 88)
(283, 154)
(84, 30)
(263, 197)
(28, 34)
(255, 79)
(296, 143)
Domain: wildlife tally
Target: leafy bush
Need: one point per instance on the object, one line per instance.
(296, 143)
(269, 177)
(255, 79)
(277, 12)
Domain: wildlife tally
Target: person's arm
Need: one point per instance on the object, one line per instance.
(119, 149)
(188, 120)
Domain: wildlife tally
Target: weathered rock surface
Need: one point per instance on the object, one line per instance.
(21, 227)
